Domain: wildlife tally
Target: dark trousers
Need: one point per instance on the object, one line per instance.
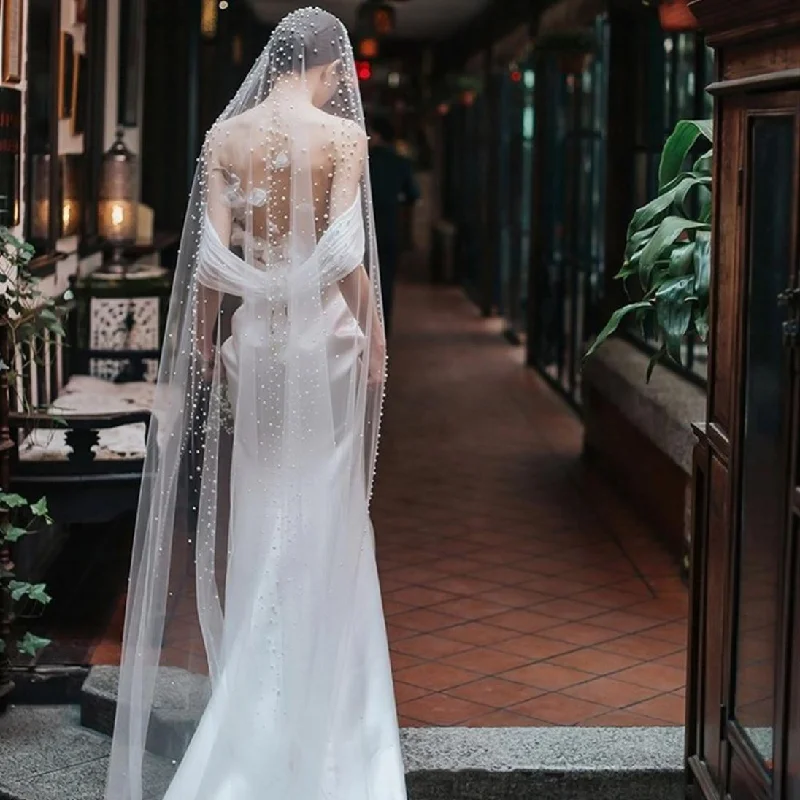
(388, 262)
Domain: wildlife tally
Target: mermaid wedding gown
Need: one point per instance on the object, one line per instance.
(253, 560)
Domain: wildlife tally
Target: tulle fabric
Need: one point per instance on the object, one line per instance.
(254, 654)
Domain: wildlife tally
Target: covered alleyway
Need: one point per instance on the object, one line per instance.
(518, 590)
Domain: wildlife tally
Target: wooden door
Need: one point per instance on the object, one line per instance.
(763, 436)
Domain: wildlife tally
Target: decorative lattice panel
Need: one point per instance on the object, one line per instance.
(123, 324)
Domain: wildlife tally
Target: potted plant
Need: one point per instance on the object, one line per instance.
(25, 315)
(668, 249)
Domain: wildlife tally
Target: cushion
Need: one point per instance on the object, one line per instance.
(84, 394)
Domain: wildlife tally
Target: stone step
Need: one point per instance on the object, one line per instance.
(179, 700)
(60, 753)
(46, 754)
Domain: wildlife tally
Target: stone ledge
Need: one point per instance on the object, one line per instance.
(545, 763)
(179, 700)
(47, 755)
(662, 410)
(544, 749)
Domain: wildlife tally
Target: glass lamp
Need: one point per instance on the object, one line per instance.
(69, 189)
(118, 201)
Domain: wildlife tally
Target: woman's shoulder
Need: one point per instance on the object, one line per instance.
(341, 130)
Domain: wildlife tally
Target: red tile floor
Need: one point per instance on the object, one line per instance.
(518, 589)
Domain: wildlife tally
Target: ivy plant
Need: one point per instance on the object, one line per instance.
(28, 315)
(21, 518)
(25, 310)
(668, 249)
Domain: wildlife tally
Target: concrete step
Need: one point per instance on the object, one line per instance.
(61, 753)
(179, 700)
(45, 754)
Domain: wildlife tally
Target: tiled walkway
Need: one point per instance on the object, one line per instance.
(517, 589)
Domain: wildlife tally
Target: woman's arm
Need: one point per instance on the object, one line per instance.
(209, 301)
(350, 166)
(357, 287)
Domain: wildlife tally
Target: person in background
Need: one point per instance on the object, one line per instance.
(393, 185)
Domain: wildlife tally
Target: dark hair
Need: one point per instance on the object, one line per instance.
(305, 39)
(383, 128)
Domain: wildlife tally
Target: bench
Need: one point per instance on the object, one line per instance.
(80, 439)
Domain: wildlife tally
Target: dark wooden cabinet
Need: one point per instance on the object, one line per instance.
(743, 729)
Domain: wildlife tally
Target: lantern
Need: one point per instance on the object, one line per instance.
(368, 48)
(118, 201)
(676, 16)
(69, 222)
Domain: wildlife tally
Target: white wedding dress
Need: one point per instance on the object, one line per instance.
(254, 558)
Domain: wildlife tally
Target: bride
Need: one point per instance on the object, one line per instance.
(254, 656)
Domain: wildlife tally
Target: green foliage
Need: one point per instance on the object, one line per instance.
(668, 249)
(30, 316)
(22, 519)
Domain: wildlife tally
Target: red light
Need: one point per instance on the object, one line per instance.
(516, 76)
(363, 70)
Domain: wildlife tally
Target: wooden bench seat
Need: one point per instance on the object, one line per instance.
(88, 398)
(80, 439)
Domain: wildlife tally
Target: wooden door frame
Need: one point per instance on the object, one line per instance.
(742, 771)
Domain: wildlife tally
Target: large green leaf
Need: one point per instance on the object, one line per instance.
(682, 202)
(677, 147)
(703, 164)
(702, 263)
(673, 306)
(652, 213)
(667, 234)
(701, 324)
(654, 359)
(614, 323)
(681, 260)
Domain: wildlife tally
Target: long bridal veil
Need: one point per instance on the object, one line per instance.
(248, 590)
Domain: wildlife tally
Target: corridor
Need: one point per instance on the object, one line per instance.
(518, 590)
